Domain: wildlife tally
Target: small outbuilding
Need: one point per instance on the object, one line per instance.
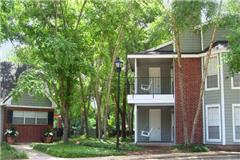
(30, 115)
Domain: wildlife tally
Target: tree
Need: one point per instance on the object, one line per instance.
(232, 20)
(205, 71)
(52, 36)
(185, 15)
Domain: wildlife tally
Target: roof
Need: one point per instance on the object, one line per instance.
(168, 48)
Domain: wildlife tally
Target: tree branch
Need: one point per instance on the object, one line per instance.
(80, 14)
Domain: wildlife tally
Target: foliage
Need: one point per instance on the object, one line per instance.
(8, 152)
(11, 132)
(48, 133)
(231, 21)
(83, 147)
(191, 148)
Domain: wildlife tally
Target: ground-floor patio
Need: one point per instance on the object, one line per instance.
(154, 125)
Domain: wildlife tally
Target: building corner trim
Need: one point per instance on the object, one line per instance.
(222, 101)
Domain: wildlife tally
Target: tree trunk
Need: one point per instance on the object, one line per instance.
(110, 77)
(66, 125)
(181, 88)
(124, 100)
(98, 99)
(205, 71)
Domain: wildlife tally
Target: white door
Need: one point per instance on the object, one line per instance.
(154, 79)
(155, 124)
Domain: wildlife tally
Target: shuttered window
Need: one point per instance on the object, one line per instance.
(212, 76)
(213, 123)
(236, 123)
(30, 118)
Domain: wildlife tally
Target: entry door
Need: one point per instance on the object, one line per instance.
(155, 79)
(155, 124)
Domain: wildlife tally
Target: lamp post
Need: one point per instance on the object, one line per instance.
(118, 67)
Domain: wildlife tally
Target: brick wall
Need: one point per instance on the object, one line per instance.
(192, 79)
(27, 133)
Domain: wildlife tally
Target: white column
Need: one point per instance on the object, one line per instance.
(203, 106)
(135, 83)
(222, 100)
(135, 124)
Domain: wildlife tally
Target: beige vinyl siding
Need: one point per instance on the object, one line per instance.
(212, 97)
(167, 48)
(190, 41)
(232, 96)
(220, 36)
(27, 100)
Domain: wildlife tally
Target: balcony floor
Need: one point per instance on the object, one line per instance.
(151, 99)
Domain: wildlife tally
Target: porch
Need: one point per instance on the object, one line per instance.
(153, 82)
(154, 125)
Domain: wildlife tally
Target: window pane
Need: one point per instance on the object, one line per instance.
(30, 114)
(237, 115)
(212, 81)
(237, 132)
(42, 114)
(213, 122)
(18, 114)
(213, 116)
(29, 120)
(213, 66)
(42, 121)
(213, 132)
(18, 120)
(236, 80)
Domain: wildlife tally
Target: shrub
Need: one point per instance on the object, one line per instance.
(192, 148)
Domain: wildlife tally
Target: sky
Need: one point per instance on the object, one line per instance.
(6, 51)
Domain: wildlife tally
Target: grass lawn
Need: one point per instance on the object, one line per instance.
(8, 152)
(85, 147)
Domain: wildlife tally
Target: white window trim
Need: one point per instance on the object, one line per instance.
(218, 72)
(220, 124)
(233, 87)
(233, 122)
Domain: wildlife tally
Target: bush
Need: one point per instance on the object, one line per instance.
(192, 148)
(8, 152)
(199, 148)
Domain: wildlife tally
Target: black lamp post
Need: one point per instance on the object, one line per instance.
(119, 67)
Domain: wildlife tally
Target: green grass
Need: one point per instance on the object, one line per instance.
(8, 152)
(85, 147)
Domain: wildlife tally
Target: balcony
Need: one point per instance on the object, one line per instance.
(151, 90)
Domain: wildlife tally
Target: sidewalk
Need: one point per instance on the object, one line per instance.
(36, 155)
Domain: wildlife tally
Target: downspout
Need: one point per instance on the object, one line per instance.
(201, 31)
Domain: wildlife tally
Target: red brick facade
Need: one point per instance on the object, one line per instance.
(27, 133)
(192, 79)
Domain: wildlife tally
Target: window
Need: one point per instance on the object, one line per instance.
(236, 81)
(212, 81)
(18, 117)
(30, 117)
(42, 117)
(213, 123)
(236, 122)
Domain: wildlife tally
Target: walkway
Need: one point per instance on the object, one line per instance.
(36, 155)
